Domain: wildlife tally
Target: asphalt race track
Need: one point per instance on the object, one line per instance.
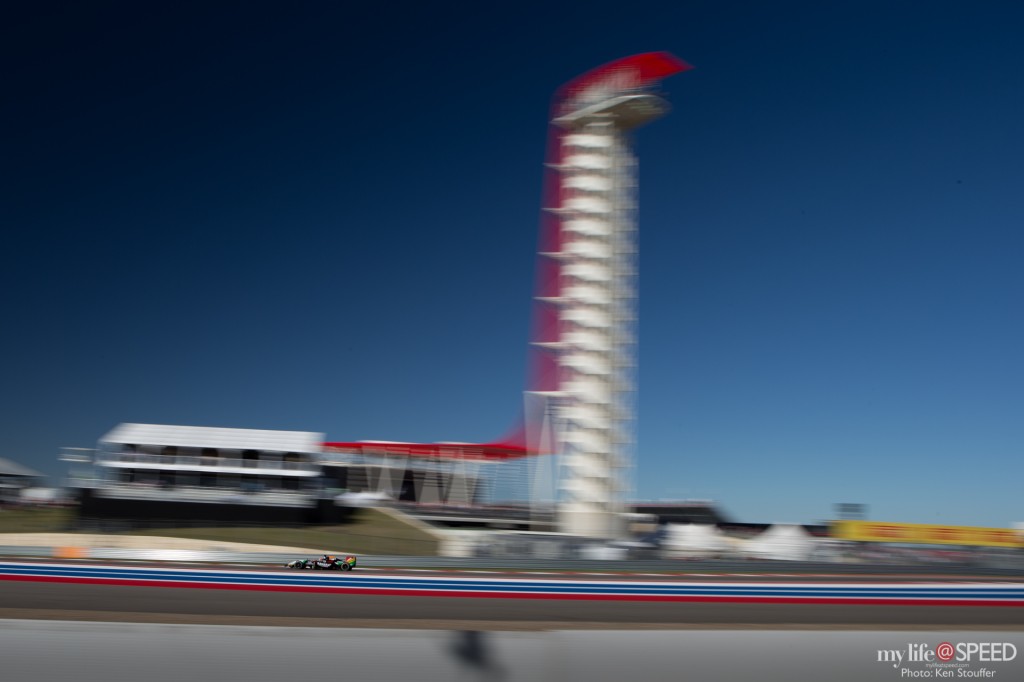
(133, 594)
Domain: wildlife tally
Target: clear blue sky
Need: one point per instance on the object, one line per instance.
(309, 216)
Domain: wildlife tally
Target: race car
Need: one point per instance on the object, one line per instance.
(328, 562)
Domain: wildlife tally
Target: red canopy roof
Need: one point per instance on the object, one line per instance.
(488, 452)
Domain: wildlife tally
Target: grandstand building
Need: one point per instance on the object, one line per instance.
(195, 474)
(192, 474)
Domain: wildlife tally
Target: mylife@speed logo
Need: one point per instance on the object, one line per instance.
(946, 652)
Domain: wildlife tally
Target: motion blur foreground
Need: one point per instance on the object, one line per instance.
(488, 561)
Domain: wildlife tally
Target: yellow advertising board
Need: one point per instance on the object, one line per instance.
(925, 533)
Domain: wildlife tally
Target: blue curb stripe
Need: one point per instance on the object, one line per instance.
(953, 591)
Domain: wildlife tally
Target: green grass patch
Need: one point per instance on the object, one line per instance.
(370, 532)
(46, 520)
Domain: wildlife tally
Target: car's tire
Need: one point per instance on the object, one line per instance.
(346, 567)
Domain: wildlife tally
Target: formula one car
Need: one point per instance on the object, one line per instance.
(328, 562)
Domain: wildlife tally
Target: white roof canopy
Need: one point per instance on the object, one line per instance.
(213, 437)
(9, 468)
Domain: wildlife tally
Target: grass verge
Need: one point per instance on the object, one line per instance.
(369, 532)
(45, 520)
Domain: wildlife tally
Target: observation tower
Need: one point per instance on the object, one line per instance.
(576, 437)
(584, 339)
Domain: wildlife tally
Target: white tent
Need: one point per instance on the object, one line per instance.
(43, 496)
(694, 540)
(781, 542)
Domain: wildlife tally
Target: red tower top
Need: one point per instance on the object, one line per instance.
(622, 75)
